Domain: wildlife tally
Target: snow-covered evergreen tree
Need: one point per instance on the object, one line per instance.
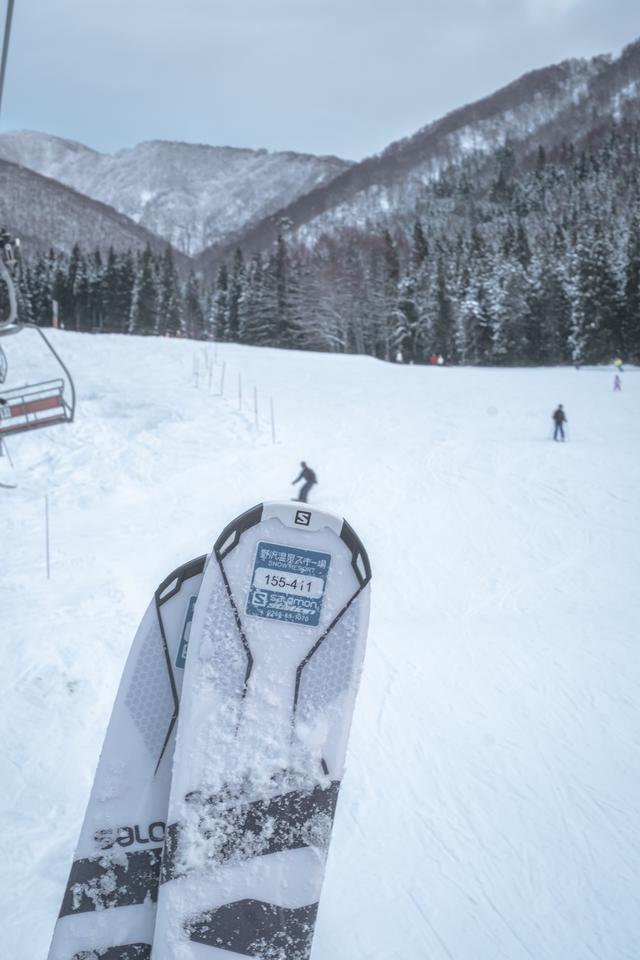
(220, 304)
(169, 297)
(193, 309)
(237, 284)
(143, 318)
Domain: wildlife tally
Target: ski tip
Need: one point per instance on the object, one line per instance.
(172, 584)
(301, 516)
(296, 516)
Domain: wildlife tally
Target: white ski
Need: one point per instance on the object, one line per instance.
(108, 908)
(276, 650)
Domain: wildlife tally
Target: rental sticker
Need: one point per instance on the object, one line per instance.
(288, 584)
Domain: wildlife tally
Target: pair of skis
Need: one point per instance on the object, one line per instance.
(207, 829)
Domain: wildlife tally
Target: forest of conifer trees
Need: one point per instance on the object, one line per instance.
(503, 261)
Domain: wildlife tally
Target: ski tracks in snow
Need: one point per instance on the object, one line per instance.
(489, 806)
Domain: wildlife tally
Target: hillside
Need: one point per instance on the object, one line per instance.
(489, 808)
(506, 233)
(191, 195)
(208, 200)
(571, 102)
(46, 214)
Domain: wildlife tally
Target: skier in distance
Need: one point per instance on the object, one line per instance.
(310, 480)
(559, 419)
(617, 383)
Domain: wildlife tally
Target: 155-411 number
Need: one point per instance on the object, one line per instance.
(280, 582)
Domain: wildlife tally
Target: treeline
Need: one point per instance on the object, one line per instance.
(139, 293)
(504, 261)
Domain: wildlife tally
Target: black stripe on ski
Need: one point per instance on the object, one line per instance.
(188, 570)
(358, 552)
(256, 929)
(236, 614)
(226, 542)
(98, 883)
(230, 831)
(127, 951)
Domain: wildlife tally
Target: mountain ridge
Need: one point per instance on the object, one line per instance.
(189, 194)
(205, 200)
(407, 164)
(45, 214)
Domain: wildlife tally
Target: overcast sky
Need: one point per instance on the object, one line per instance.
(342, 77)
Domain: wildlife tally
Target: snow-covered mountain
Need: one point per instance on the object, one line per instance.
(44, 213)
(571, 102)
(208, 200)
(192, 195)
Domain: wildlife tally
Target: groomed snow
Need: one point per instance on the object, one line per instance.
(490, 807)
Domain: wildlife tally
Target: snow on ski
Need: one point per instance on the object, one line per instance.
(276, 650)
(108, 907)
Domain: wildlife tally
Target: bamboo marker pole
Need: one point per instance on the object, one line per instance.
(5, 448)
(46, 535)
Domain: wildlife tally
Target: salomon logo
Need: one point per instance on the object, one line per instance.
(303, 518)
(127, 836)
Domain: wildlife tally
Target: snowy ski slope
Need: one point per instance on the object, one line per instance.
(490, 806)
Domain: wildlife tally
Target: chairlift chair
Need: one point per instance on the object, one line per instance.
(36, 405)
(30, 407)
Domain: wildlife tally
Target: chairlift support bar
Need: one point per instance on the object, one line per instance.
(5, 46)
(13, 304)
(71, 406)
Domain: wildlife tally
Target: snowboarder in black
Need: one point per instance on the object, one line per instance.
(559, 419)
(309, 478)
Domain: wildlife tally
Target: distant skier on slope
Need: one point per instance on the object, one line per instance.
(617, 383)
(310, 479)
(559, 419)
(5, 243)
